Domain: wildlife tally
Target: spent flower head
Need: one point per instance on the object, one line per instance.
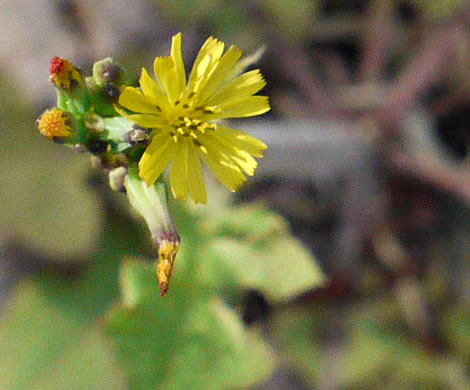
(183, 113)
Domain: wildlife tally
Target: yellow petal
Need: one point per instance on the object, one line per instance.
(243, 108)
(152, 90)
(226, 63)
(236, 156)
(145, 120)
(177, 55)
(242, 140)
(165, 72)
(210, 53)
(199, 73)
(132, 99)
(246, 61)
(179, 170)
(225, 170)
(156, 157)
(186, 172)
(196, 183)
(243, 86)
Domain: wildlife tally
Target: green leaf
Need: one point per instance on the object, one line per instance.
(296, 333)
(280, 268)
(368, 354)
(256, 251)
(245, 222)
(50, 332)
(45, 347)
(189, 339)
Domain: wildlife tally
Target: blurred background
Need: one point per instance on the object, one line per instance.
(368, 161)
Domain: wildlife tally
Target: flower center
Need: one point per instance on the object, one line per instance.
(187, 127)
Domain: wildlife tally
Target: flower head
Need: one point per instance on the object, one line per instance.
(55, 123)
(182, 114)
(64, 75)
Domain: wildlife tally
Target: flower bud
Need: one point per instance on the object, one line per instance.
(110, 93)
(64, 75)
(107, 71)
(55, 124)
(139, 135)
(94, 123)
(117, 177)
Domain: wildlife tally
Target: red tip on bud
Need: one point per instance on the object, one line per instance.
(57, 64)
(64, 75)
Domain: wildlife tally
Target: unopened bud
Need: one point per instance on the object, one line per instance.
(90, 83)
(94, 123)
(117, 177)
(139, 135)
(110, 93)
(107, 71)
(64, 75)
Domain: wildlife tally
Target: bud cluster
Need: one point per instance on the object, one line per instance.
(86, 120)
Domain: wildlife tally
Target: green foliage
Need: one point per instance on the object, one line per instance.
(297, 334)
(251, 248)
(53, 334)
(50, 333)
(192, 338)
(371, 348)
(189, 339)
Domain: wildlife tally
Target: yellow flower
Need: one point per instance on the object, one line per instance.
(55, 123)
(183, 113)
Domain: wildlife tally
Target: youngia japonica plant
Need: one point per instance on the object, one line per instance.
(71, 334)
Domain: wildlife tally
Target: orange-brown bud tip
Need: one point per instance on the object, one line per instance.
(167, 251)
(163, 286)
(63, 74)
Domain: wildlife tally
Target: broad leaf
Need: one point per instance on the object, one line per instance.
(189, 339)
(50, 332)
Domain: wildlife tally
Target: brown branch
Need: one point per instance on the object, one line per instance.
(425, 70)
(443, 174)
(376, 38)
